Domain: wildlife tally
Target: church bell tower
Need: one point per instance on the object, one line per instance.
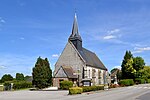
(75, 37)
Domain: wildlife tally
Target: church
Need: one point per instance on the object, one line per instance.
(78, 64)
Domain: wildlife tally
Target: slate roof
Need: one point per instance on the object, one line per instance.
(69, 72)
(75, 33)
(91, 59)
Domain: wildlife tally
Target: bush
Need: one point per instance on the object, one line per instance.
(21, 85)
(148, 80)
(113, 86)
(7, 86)
(75, 90)
(92, 88)
(126, 82)
(139, 81)
(65, 85)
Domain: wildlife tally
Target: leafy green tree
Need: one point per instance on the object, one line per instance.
(19, 77)
(130, 71)
(145, 72)
(6, 77)
(138, 63)
(28, 78)
(42, 74)
(127, 65)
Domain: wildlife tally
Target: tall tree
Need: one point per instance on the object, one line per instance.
(126, 63)
(6, 77)
(19, 77)
(138, 63)
(42, 74)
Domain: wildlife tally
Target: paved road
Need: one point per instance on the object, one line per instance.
(137, 92)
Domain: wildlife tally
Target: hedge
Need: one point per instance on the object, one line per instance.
(65, 85)
(92, 88)
(75, 90)
(139, 81)
(126, 82)
(22, 85)
(148, 80)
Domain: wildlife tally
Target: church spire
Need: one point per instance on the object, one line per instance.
(75, 33)
(75, 37)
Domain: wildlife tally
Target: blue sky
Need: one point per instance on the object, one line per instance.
(33, 28)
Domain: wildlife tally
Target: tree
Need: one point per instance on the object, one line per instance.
(6, 77)
(28, 78)
(130, 71)
(42, 74)
(19, 77)
(138, 63)
(145, 72)
(126, 64)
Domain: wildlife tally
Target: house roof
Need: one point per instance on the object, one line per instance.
(91, 59)
(69, 72)
(65, 72)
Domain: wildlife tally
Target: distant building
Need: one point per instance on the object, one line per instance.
(78, 64)
(114, 74)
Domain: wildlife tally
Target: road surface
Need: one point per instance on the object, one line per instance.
(137, 92)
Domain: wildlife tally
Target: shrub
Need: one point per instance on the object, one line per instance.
(75, 90)
(139, 81)
(148, 80)
(92, 88)
(65, 85)
(126, 82)
(113, 86)
(21, 85)
(7, 85)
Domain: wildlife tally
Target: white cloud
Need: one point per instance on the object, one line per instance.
(109, 37)
(2, 67)
(55, 55)
(112, 34)
(139, 50)
(114, 31)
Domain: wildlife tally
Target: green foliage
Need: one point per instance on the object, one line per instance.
(28, 78)
(92, 88)
(22, 85)
(1, 81)
(139, 81)
(75, 90)
(6, 77)
(148, 80)
(7, 85)
(138, 63)
(42, 74)
(65, 85)
(145, 72)
(131, 66)
(126, 66)
(126, 82)
(19, 77)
